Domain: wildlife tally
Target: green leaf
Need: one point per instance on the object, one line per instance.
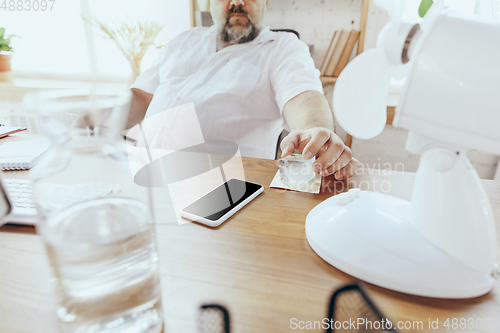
(2, 32)
(424, 7)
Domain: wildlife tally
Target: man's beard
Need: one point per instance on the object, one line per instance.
(238, 35)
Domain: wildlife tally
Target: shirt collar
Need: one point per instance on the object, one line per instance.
(266, 35)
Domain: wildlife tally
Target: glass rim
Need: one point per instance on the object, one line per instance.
(53, 100)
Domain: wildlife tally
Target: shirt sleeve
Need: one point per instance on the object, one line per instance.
(149, 79)
(293, 71)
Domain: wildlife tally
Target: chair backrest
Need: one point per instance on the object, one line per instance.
(287, 30)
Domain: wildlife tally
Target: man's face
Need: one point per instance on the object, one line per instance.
(238, 21)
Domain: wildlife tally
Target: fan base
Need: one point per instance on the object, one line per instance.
(372, 239)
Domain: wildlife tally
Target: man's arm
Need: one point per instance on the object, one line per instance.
(311, 123)
(138, 106)
(307, 110)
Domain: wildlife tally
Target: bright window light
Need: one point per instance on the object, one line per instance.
(50, 41)
(58, 42)
(462, 6)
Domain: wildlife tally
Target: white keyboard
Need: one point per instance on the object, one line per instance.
(24, 209)
(12, 113)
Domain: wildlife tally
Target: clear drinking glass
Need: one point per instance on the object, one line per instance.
(97, 224)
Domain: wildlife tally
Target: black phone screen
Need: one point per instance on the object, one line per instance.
(218, 202)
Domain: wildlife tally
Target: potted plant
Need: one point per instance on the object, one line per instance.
(133, 39)
(5, 50)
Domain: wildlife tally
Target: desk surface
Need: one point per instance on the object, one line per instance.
(258, 264)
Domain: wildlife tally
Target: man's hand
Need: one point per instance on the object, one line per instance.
(332, 156)
(311, 120)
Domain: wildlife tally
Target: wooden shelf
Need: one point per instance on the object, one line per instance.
(327, 80)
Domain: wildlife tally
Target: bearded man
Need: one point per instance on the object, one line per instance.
(247, 84)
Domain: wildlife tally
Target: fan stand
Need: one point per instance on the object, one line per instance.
(372, 239)
(410, 247)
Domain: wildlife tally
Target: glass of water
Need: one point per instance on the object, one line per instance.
(97, 224)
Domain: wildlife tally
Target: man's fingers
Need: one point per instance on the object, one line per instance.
(287, 150)
(317, 141)
(295, 141)
(348, 171)
(289, 143)
(335, 150)
(343, 160)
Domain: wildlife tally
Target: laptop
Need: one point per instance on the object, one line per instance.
(17, 205)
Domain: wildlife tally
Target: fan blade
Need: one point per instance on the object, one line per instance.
(393, 35)
(401, 72)
(360, 94)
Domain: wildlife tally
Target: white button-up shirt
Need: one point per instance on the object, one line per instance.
(238, 92)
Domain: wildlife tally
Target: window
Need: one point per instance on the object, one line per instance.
(488, 9)
(59, 42)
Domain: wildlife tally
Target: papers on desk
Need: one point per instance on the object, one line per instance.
(313, 186)
(8, 130)
(296, 173)
(22, 155)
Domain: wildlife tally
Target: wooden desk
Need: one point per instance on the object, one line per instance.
(258, 264)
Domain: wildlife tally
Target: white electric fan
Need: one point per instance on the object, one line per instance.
(442, 243)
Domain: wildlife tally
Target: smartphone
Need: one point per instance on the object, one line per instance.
(221, 203)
